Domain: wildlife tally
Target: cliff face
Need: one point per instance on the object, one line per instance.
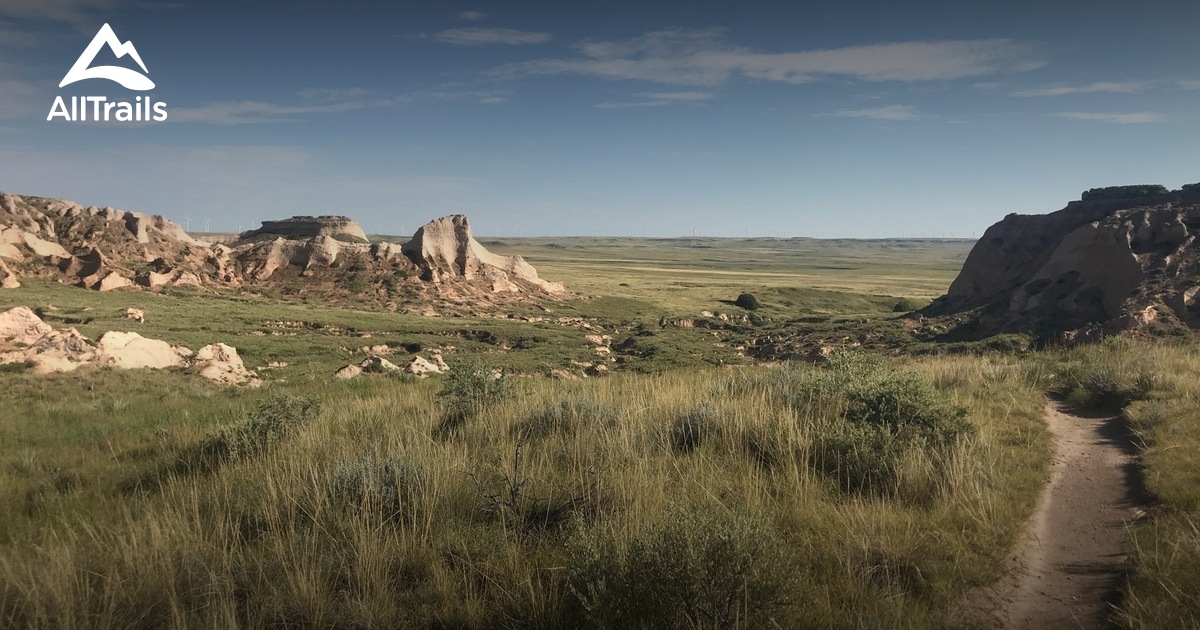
(1118, 260)
(104, 249)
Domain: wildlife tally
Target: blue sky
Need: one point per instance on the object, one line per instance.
(864, 119)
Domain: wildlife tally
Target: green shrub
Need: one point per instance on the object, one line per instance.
(700, 568)
(274, 420)
(694, 426)
(467, 390)
(870, 418)
(565, 418)
(746, 301)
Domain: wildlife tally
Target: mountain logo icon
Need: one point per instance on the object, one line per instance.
(130, 79)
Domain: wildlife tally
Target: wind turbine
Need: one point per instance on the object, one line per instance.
(187, 224)
(207, 221)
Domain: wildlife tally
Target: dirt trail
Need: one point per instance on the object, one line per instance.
(1071, 561)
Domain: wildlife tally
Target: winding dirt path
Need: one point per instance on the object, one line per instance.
(1071, 561)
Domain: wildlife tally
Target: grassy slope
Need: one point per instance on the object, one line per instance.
(271, 539)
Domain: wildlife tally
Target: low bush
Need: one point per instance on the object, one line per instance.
(746, 301)
(274, 420)
(467, 390)
(700, 568)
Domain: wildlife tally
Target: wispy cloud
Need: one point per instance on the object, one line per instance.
(259, 112)
(889, 112)
(333, 94)
(703, 57)
(1132, 118)
(659, 99)
(1189, 85)
(472, 36)
(57, 10)
(473, 16)
(1126, 87)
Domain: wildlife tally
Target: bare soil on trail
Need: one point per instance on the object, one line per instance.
(1071, 561)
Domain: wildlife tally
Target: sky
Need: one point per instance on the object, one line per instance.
(861, 119)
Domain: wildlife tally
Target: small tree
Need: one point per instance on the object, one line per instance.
(747, 302)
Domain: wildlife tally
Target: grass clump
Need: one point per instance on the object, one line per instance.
(695, 426)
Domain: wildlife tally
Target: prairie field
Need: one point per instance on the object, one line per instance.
(692, 487)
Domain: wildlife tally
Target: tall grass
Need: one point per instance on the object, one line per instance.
(555, 504)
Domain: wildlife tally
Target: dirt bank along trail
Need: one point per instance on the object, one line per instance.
(1072, 558)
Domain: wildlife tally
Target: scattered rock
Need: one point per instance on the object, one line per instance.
(136, 314)
(25, 337)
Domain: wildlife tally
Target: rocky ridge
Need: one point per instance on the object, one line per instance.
(105, 249)
(1120, 260)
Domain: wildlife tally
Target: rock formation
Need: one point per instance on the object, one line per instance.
(106, 249)
(24, 337)
(444, 249)
(1118, 260)
(303, 228)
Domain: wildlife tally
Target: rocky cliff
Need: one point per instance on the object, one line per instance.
(1121, 259)
(105, 249)
(335, 227)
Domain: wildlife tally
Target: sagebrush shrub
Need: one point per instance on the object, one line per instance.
(467, 390)
(272, 421)
(699, 568)
(387, 487)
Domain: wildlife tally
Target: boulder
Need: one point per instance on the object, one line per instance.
(8, 279)
(129, 350)
(378, 365)
(421, 368)
(22, 326)
(221, 364)
(136, 314)
(348, 372)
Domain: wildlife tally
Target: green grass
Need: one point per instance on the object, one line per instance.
(367, 515)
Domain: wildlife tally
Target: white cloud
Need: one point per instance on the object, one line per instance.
(659, 99)
(58, 10)
(1127, 87)
(482, 36)
(890, 112)
(703, 57)
(472, 16)
(1189, 85)
(1132, 118)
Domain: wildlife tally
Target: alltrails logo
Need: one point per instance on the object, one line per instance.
(142, 109)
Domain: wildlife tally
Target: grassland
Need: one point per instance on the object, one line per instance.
(691, 488)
